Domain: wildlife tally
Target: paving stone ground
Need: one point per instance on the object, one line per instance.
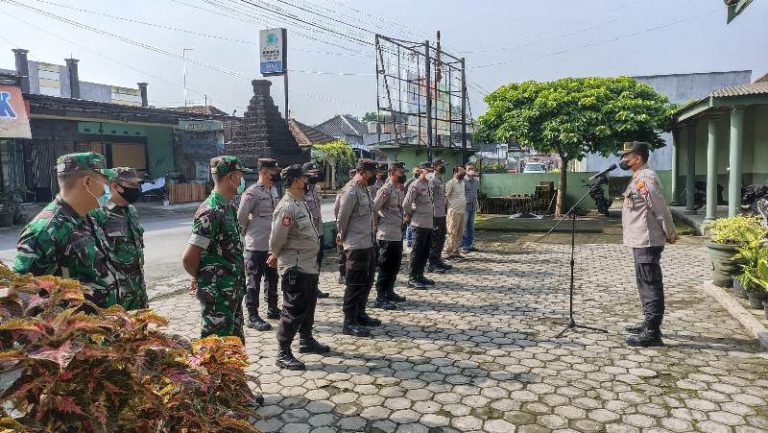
(478, 354)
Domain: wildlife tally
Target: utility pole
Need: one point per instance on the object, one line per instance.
(428, 78)
(184, 70)
(463, 111)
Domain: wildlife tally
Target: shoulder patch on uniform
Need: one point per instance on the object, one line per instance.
(287, 220)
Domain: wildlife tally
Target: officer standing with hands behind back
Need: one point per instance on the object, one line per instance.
(315, 204)
(418, 208)
(355, 232)
(293, 248)
(436, 263)
(255, 218)
(648, 226)
(388, 204)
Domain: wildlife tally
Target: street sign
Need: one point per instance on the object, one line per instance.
(735, 7)
(273, 45)
(14, 122)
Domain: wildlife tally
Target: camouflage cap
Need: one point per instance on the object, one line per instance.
(124, 174)
(225, 164)
(74, 162)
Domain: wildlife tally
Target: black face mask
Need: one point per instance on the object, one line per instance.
(442, 170)
(371, 180)
(624, 165)
(131, 194)
(461, 176)
(401, 179)
(275, 178)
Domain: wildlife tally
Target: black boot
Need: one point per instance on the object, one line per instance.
(321, 294)
(257, 323)
(435, 268)
(355, 330)
(286, 360)
(364, 319)
(416, 283)
(426, 280)
(273, 313)
(647, 338)
(444, 265)
(394, 297)
(310, 345)
(382, 302)
(635, 329)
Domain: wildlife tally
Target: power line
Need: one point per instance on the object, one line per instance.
(593, 44)
(159, 50)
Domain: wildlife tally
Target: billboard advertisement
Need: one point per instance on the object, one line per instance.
(273, 49)
(14, 122)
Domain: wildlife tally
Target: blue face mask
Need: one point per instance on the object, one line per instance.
(104, 198)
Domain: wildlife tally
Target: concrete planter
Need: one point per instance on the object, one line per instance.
(756, 300)
(724, 267)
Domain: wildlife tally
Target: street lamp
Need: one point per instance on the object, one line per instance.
(184, 70)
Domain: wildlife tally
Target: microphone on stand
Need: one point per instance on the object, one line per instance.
(604, 172)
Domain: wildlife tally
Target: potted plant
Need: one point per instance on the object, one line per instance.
(727, 235)
(754, 276)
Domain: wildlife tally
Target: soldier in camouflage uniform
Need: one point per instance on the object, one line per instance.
(63, 240)
(315, 204)
(119, 220)
(214, 256)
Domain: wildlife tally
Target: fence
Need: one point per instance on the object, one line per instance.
(186, 192)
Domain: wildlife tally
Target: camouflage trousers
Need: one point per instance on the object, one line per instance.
(133, 293)
(221, 308)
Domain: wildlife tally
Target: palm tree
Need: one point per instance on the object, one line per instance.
(333, 153)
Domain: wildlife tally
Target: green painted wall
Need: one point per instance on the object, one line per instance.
(159, 151)
(111, 129)
(507, 184)
(413, 156)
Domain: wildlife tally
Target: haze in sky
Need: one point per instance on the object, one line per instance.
(330, 43)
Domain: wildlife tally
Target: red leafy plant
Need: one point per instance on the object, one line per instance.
(67, 365)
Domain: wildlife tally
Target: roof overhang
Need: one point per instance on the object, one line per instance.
(714, 103)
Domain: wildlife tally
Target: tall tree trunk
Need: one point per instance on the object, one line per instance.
(562, 187)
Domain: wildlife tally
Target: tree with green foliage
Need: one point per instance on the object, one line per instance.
(334, 153)
(576, 116)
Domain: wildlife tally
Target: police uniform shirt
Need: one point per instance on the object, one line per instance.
(294, 239)
(374, 189)
(339, 196)
(388, 205)
(418, 204)
(355, 220)
(645, 216)
(255, 215)
(438, 195)
(315, 203)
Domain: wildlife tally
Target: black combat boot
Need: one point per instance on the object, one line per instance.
(273, 313)
(365, 320)
(383, 302)
(286, 360)
(394, 297)
(416, 283)
(257, 323)
(635, 329)
(647, 338)
(435, 268)
(355, 330)
(310, 345)
(444, 265)
(426, 280)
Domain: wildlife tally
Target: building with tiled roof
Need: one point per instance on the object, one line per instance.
(307, 135)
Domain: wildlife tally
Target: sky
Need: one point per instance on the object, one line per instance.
(330, 50)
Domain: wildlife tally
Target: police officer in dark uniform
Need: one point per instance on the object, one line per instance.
(436, 263)
(356, 234)
(315, 203)
(293, 247)
(418, 208)
(388, 205)
(648, 226)
(340, 248)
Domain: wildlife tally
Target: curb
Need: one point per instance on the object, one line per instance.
(735, 309)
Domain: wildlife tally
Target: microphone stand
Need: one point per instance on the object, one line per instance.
(600, 181)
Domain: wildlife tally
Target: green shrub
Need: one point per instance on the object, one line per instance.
(737, 230)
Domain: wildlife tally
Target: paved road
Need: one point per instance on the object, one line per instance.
(478, 354)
